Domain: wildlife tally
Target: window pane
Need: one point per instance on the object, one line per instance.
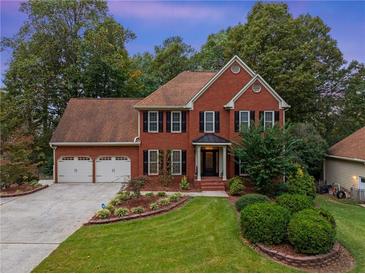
(209, 116)
(209, 126)
(244, 118)
(153, 116)
(153, 156)
(176, 156)
(269, 119)
(176, 117)
(153, 168)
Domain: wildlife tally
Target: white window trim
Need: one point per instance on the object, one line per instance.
(149, 157)
(360, 177)
(205, 119)
(240, 121)
(172, 162)
(148, 121)
(172, 122)
(272, 120)
(239, 169)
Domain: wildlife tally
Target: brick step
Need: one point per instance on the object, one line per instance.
(213, 188)
(212, 183)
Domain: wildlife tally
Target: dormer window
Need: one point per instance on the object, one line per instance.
(153, 121)
(176, 121)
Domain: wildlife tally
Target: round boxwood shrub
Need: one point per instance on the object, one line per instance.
(121, 211)
(295, 202)
(103, 213)
(322, 213)
(235, 185)
(265, 223)
(250, 199)
(311, 233)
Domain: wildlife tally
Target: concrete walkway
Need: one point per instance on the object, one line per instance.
(196, 194)
(32, 226)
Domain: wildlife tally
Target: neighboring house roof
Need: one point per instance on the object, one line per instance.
(98, 120)
(211, 138)
(178, 91)
(352, 146)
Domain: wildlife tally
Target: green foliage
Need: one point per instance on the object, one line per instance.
(149, 194)
(164, 202)
(154, 206)
(161, 194)
(115, 201)
(311, 233)
(121, 211)
(136, 185)
(236, 185)
(301, 183)
(310, 149)
(280, 189)
(137, 210)
(184, 183)
(250, 199)
(322, 213)
(265, 223)
(103, 213)
(295, 202)
(124, 195)
(174, 198)
(263, 155)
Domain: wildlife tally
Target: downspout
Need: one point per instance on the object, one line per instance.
(54, 162)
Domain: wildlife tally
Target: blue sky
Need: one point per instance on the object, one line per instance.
(154, 21)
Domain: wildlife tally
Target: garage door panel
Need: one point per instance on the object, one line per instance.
(75, 170)
(113, 169)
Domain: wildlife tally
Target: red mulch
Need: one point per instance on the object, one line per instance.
(18, 188)
(173, 186)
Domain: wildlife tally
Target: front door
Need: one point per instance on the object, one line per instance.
(210, 162)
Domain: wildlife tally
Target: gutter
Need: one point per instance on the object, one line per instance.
(345, 158)
(95, 143)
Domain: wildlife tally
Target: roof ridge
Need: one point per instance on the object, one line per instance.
(107, 98)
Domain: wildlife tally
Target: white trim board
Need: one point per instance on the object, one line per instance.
(95, 144)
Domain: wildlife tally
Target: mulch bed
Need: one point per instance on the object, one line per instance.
(173, 186)
(148, 212)
(20, 190)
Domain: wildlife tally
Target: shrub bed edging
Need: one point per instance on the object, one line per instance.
(137, 216)
(303, 261)
(23, 193)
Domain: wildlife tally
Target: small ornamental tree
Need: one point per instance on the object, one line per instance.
(266, 155)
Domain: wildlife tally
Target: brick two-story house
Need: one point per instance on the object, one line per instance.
(187, 125)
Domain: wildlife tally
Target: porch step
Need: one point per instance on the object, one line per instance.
(212, 185)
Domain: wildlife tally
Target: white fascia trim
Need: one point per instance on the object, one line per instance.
(282, 103)
(95, 143)
(212, 144)
(345, 158)
(217, 75)
(161, 107)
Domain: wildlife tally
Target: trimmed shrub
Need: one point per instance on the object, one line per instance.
(164, 202)
(137, 210)
(322, 213)
(265, 223)
(250, 199)
(110, 207)
(103, 213)
(178, 195)
(302, 183)
(235, 185)
(124, 196)
(184, 183)
(173, 198)
(311, 233)
(280, 189)
(121, 211)
(161, 194)
(149, 194)
(154, 206)
(115, 201)
(132, 195)
(295, 202)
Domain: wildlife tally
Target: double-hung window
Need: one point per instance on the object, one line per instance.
(176, 162)
(269, 119)
(153, 121)
(176, 121)
(244, 120)
(209, 121)
(242, 170)
(153, 162)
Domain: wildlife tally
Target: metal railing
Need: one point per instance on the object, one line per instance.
(358, 194)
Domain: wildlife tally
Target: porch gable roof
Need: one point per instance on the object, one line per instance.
(211, 138)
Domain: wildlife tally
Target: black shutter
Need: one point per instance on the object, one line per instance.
(216, 121)
(160, 121)
(236, 166)
(201, 121)
(145, 121)
(168, 121)
(145, 162)
(183, 162)
(277, 116)
(183, 121)
(160, 161)
(236, 121)
(252, 117)
(261, 118)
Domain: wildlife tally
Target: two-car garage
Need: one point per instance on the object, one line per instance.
(79, 169)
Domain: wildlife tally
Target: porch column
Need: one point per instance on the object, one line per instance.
(198, 162)
(224, 156)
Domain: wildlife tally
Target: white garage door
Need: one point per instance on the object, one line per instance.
(113, 169)
(75, 170)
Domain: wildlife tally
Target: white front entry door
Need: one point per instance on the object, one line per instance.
(73, 169)
(113, 169)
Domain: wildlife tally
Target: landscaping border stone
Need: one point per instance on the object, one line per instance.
(23, 193)
(302, 261)
(138, 216)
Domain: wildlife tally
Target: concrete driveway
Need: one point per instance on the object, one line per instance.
(33, 226)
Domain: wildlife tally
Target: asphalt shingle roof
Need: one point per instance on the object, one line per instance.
(211, 138)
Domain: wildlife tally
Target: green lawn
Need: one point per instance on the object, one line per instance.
(202, 236)
(350, 221)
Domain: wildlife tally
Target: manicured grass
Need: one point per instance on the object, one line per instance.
(202, 236)
(350, 221)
